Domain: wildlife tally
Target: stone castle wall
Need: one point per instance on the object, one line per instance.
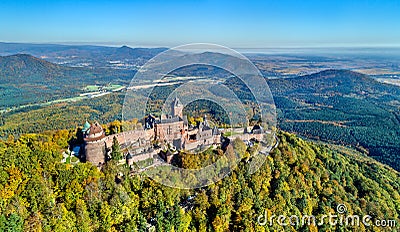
(145, 156)
(210, 140)
(130, 136)
(169, 131)
(247, 137)
(96, 152)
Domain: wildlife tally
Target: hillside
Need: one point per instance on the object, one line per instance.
(38, 193)
(335, 82)
(25, 79)
(342, 107)
(23, 65)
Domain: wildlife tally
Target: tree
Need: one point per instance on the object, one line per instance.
(33, 223)
(2, 120)
(142, 225)
(3, 222)
(14, 223)
(115, 127)
(116, 150)
(106, 218)
(82, 216)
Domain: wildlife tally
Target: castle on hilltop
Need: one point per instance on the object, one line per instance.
(171, 130)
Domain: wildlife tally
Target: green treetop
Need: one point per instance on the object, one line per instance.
(116, 153)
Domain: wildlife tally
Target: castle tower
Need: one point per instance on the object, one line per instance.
(95, 147)
(177, 108)
(86, 127)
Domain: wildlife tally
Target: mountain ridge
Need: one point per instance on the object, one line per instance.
(331, 79)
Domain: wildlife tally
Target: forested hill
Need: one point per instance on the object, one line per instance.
(343, 107)
(23, 65)
(126, 52)
(335, 82)
(25, 69)
(38, 193)
(25, 79)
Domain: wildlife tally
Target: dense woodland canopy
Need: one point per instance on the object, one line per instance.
(38, 193)
(343, 107)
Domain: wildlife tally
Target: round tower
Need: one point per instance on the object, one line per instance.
(95, 147)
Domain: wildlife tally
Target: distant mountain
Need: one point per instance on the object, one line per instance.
(27, 68)
(334, 81)
(23, 65)
(27, 79)
(83, 55)
(344, 107)
(136, 53)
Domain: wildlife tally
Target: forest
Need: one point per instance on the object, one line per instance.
(39, 193)
(342, 107)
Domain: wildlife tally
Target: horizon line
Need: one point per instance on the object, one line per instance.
(136, 45)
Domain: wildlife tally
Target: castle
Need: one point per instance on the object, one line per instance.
(172, 130)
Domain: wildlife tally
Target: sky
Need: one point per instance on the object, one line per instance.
(239, 24)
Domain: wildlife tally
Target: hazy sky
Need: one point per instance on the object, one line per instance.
(268, 23)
